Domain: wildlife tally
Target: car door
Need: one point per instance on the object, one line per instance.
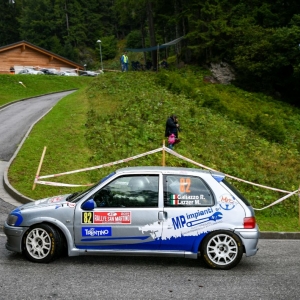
(124, 209)
(188, 209)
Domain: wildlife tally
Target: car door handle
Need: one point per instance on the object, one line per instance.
(162, 215)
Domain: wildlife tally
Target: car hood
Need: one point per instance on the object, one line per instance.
(51, 201)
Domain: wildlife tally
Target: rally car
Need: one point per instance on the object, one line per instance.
(154, 211)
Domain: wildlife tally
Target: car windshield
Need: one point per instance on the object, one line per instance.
(75, 197)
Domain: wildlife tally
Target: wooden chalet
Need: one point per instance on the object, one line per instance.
(24, 54)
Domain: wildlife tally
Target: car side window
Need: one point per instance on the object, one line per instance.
(182, 190)
(129, 191)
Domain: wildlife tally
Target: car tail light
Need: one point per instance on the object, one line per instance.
(249, 223)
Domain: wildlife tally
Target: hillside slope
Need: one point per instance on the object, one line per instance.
(120, 115)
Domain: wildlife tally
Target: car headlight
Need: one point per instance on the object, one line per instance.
(11, 220)
(14, 218)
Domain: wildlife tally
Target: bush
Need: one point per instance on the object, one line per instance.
(273, 132)
(216, 104)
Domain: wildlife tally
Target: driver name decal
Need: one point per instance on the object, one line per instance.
(186, 199)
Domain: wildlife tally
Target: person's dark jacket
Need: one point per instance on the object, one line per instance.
(171, 127)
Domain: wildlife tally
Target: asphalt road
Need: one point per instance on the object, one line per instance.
(272, 274)
(16, 119)
(5, 209)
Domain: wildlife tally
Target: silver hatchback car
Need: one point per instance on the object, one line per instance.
(154, 211)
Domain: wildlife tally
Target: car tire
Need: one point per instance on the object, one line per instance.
(221, 250)
(42, 243)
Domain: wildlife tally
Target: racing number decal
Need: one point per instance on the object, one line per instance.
(87, 217)
(185, 184)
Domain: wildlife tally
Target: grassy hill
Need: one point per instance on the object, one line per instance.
(11, 88)
(119, 115)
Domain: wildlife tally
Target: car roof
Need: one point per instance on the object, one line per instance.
(167, 170)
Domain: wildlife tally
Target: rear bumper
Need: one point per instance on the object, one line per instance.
(14, 237)
(250, 239)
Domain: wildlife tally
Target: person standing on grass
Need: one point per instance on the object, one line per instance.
(172, 127)
(124, 61)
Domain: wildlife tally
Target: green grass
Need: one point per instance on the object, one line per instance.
(278, 223)
(119, 115)
(11, 89)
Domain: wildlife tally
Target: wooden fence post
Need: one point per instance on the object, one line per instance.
(39, 168)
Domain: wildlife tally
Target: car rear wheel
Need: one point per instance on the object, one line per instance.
(222, 250)
(42, 243)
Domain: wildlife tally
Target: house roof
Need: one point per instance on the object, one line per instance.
(25, 44)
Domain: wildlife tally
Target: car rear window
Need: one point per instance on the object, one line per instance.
(232, 188)
(183, 191)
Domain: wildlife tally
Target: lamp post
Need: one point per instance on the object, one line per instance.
(84, 67)
(99, 41)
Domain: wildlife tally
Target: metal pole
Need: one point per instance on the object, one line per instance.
(157, 58)
(101, 57)
(99, 41)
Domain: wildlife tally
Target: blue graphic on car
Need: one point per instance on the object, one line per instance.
(216, 216)
(181, 221)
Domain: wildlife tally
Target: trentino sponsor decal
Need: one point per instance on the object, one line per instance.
(96, 231)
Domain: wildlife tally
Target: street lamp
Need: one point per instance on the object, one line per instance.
(84, 67)
(100, 54)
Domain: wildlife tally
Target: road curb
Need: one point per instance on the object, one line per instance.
(7, 186)
(279, 235)
(23, 99)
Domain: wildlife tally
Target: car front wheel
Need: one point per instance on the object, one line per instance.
(222, 250)
(42, 243)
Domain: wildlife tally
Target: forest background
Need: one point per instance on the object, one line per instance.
(259, 39)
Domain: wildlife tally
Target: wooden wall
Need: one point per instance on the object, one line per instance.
(26, 56)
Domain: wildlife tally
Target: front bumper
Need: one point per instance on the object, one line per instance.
(250, 239)
(14, 237)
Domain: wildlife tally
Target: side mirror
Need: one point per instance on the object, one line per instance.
(89, 205)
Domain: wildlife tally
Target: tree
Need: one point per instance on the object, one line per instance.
(268, 59)
(9, 23)
(40, 21)
(134, 11)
